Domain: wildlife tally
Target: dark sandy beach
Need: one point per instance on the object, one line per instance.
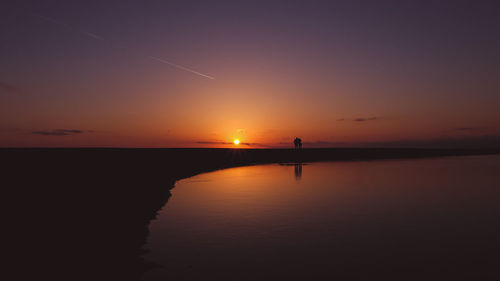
(84, 213)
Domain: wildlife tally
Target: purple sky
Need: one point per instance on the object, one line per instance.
(336, 73)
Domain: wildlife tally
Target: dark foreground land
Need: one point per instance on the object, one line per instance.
(84, 213)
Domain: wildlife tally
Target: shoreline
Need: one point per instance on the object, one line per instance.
(79, 213)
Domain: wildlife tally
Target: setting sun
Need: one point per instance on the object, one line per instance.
(236, 142)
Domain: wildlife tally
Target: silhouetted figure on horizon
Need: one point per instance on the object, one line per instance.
(298, 143)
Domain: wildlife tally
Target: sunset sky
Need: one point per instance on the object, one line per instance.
(335, 73)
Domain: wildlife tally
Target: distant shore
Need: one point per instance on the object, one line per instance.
(83, 213)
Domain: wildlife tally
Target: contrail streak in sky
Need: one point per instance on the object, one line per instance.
(180, 67)
(93, 36)
(97, 37)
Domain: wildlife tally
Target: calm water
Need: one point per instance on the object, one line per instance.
(397, 219)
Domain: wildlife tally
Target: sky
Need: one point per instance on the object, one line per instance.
(204, 73)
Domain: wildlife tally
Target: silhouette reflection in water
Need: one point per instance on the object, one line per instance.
(298, 171)
(94, 220)
(344, 221)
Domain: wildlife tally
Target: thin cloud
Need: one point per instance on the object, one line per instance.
(213, 142)
(9, 88)
(359, 119)
(223, 142)
(468, 128)
(57, 132)
(365, 119)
